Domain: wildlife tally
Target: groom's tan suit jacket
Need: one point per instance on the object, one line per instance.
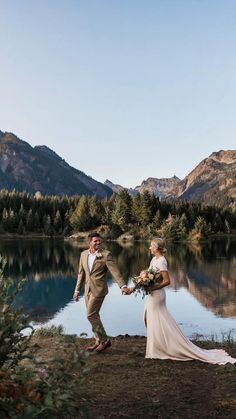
(95, 281)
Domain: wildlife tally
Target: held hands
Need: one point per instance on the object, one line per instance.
(126, 291)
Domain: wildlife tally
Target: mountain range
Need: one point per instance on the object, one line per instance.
(160, 187)
(212, 181)
(39, 168)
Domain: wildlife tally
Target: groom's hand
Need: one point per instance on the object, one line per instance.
(125, 290)
(76, 296)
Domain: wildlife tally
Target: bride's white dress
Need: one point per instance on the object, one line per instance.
(165, 340)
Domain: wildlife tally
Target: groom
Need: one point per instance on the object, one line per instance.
(93, 266)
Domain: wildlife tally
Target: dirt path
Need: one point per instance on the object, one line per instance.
(121, 383)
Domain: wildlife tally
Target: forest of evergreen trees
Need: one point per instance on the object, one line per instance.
(143, 216)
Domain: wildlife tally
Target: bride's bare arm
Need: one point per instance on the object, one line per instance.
(165, 281)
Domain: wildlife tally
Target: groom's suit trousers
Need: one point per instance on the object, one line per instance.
(93, 305)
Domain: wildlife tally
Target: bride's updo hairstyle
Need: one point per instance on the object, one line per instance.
(159, 244)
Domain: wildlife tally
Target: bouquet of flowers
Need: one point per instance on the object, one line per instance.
(146, 280)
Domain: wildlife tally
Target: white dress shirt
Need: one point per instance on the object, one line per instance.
(91, 259)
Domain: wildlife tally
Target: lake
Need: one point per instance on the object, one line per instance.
(201, 297)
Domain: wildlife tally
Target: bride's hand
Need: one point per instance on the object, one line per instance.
(143, 274)
(128, 291)
(131, 289)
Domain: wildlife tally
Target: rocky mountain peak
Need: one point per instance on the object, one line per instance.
(9, 138)
(113, 187)
(45, 149)
(224, 156)
(160, 187)
(213, 180)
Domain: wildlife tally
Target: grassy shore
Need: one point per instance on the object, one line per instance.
(121, 383)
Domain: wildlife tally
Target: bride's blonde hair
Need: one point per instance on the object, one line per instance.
(159, 244)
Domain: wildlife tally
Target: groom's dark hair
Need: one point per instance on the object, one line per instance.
(92, 235)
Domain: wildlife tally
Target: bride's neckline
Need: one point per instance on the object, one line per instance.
(158, 257)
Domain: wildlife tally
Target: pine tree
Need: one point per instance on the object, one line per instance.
(146, 215)
(57, 222)
(218, 225)
(12, 221)
(5, 219)
(21, 229)
(157, 221)
(81, 219)
(22, 214)
(36, 222)
(47, 225)
(108, 204)
(182, 228)
(122, 212)
(137, 209)
(29, 220)
(96, 211)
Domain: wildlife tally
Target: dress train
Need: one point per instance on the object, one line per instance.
(165, 339)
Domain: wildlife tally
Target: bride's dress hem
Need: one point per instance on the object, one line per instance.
(166, 341)
(230, 361)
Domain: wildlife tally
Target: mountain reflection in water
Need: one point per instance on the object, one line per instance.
(208, 272)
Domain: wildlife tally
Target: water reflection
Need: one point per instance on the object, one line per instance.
(207, 272)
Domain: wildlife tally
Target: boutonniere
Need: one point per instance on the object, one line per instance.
(99, 255)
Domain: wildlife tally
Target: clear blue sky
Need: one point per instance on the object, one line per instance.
(121, 89)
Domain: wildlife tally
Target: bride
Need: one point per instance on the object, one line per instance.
(165, 340)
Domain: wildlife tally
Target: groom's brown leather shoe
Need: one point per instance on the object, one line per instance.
(92, 347)
(103, 345)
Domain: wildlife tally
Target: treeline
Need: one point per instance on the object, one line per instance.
(142, 215)
(22, 213)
